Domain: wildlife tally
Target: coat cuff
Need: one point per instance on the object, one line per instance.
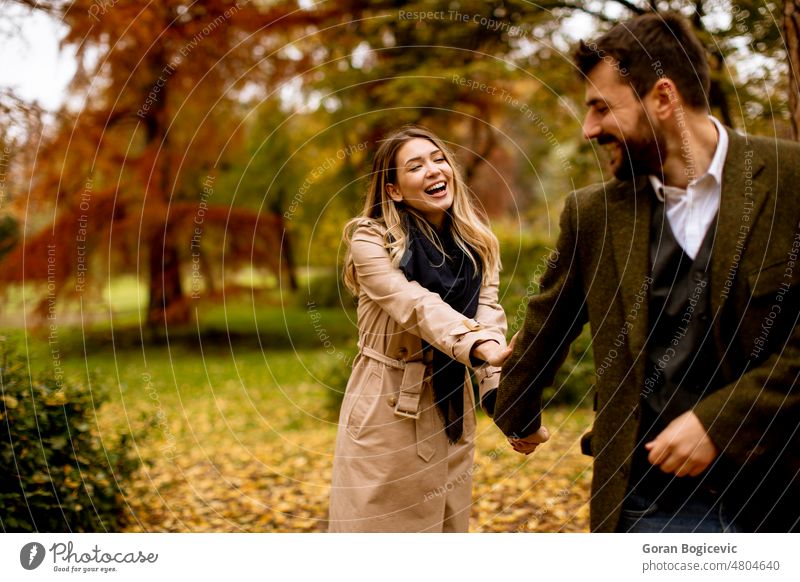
(488, 378)
(467, 334)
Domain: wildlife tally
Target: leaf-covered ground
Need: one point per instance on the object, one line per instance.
(221, 484)
(238, 438)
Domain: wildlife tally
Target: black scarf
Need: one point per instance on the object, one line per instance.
(455, 279)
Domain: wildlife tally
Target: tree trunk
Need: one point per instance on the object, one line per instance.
(287, 257)
(791, 29)
(166, 304)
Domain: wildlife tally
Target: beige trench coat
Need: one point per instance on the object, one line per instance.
(394, 470)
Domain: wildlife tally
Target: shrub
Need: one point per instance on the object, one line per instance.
(9, 234)
(574, 383)
(58, 474)
(326, 290)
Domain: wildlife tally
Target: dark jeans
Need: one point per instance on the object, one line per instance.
(698, 514)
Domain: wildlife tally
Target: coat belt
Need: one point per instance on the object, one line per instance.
(382, 358)
(413, 380)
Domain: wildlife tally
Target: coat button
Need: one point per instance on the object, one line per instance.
(392, 401)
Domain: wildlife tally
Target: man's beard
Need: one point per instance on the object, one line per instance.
(639, 155)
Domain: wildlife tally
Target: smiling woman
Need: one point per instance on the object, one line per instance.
(423, 177)
(425, 268)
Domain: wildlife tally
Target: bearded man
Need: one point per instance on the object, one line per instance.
(686, 267)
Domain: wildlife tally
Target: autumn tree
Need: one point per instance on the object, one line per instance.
(455, 67)
(156, 163)
(127, 171)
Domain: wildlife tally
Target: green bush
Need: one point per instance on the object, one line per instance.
(574, 384)
(325, 290)
(58, 475)
(9, 234)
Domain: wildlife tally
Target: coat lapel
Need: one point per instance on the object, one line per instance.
(629, 217)
(629, 224)
(740, 204)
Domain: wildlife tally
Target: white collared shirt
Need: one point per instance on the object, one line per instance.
(691, 211)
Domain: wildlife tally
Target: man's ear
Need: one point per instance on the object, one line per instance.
(394, 193)
(664, 98)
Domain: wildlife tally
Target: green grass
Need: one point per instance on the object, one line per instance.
(254, 364)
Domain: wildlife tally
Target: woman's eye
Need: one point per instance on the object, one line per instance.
(439, 160)
(415, 168)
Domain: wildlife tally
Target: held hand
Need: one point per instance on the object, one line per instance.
(683, 448)
(527, 445)
(491, 352)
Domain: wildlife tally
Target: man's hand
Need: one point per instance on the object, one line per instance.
(527, 445)
(683, 448)
(513, 341)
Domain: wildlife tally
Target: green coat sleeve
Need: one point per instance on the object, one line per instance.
(554, 318)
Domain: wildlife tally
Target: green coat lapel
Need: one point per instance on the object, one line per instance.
(741, 201)
(629, 218)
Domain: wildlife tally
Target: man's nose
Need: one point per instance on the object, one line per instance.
(591, 127)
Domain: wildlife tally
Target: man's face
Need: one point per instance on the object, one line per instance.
(617, 119)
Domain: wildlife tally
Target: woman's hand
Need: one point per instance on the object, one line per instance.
(491, 352)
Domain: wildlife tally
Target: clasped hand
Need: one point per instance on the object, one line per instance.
(493, 353)
(528, 444)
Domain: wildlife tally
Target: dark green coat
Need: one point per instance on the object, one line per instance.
(599, 274)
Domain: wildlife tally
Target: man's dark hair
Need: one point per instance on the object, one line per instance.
(649, 47)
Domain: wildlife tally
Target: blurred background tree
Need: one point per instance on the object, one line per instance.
(198, 138)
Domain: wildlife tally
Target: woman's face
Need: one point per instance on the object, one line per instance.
(424, 180)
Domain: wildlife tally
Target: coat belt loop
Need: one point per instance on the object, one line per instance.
(411, 386)
(410, 390)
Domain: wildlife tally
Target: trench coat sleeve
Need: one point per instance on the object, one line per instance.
(417, 310)
(492, 315)
(758, 414)
(554, 318)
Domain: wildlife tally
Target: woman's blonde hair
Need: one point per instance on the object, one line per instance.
(469, 228)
